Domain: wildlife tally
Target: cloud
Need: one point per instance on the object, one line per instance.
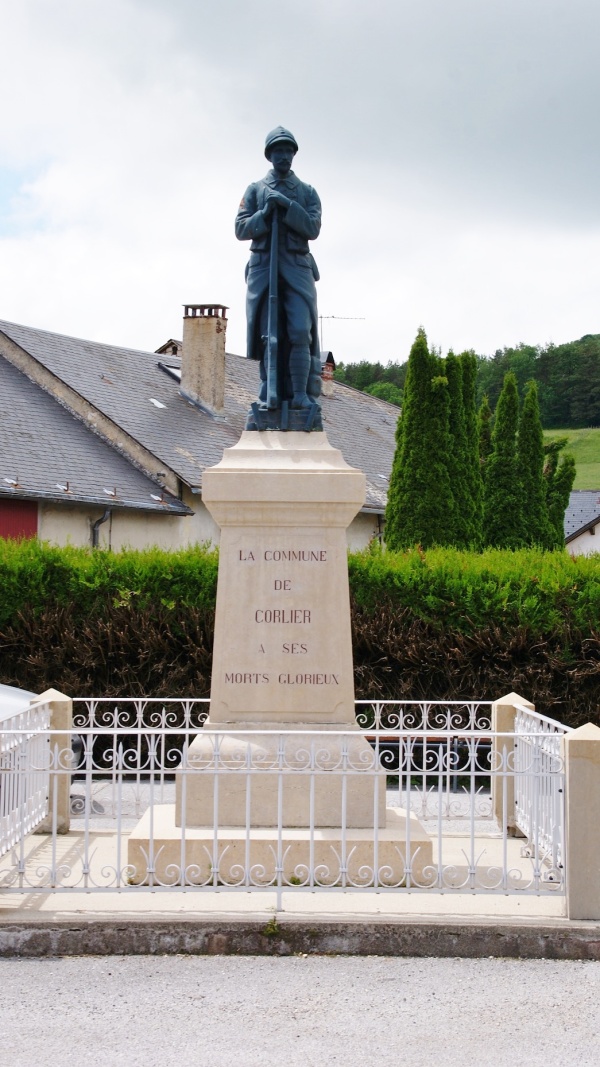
(494, 101)
(452, 143)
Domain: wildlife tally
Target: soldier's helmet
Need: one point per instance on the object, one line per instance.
(279, 134)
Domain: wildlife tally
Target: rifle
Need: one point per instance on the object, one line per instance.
(273, 319)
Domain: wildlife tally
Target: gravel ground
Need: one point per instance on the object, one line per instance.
(223, 1010)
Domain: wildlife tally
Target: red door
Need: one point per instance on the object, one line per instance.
(18, 518)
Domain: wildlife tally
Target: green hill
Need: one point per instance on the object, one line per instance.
(584, 445)
(568, 378)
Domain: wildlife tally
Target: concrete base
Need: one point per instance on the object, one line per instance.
(256, 851)
(432, 936)
(337, 772)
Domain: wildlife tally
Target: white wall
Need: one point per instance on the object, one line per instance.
(63, 524)
(362, 530)
(586, 543)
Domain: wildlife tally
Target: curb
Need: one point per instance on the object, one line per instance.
(285, 937)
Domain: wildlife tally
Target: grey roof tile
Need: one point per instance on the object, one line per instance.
(43, 447)
(583, 511)
(122, 382)
(363, 428)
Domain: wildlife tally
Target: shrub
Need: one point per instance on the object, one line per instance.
(446, 624)
(442, 624)
(35, 574)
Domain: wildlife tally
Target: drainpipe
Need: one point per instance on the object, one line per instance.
(96, 528)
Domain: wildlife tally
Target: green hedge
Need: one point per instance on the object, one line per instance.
(442, 624)
(546, 592)
(103, 623)
(34, 576)
(447, 624)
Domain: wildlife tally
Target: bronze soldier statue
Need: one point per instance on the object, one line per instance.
(280, 214)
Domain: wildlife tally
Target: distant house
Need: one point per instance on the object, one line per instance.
(102, 445)
(581, 519)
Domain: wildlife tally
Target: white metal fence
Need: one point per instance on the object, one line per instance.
(24, 773)
(539, 791)
(158, 802)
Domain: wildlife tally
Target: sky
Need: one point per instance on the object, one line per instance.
(454, 145)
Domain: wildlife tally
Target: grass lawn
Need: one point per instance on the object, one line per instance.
(584, 445)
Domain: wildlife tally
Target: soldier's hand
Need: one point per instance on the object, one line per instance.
(275, 199)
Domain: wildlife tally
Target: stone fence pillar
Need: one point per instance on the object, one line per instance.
(504, 712)
(581, 753)
(60, 759)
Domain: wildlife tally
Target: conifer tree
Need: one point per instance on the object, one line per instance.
(484, 433)
(552, 450)
(559, 478)
(460, 534)
(438, 511)
(530, 456)
(473, 477)
(502, 493)
(420, 505)
(393, 510)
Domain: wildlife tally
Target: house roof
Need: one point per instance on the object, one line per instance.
(582, 513)
(138, 392)
(46, 453)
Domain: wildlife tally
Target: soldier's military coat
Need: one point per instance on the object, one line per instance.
(297, 269)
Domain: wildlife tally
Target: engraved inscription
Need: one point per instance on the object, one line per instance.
(285, 555)
(295, 555)
(283, 615)
(253, 678)
(309, 679)
(245, 678)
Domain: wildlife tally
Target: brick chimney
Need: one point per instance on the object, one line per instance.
(203, 355)
(327, 370)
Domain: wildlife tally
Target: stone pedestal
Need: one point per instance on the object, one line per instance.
(283, 647)
(261, 856)
(246, 777)
(280, 750)
(282, 656)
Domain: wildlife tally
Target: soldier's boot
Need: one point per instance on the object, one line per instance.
(262, 392)
(299, 371)
(314, 378)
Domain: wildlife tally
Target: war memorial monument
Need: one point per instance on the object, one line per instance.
(281, 780)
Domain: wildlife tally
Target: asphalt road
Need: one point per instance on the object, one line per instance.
(223, 1010)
